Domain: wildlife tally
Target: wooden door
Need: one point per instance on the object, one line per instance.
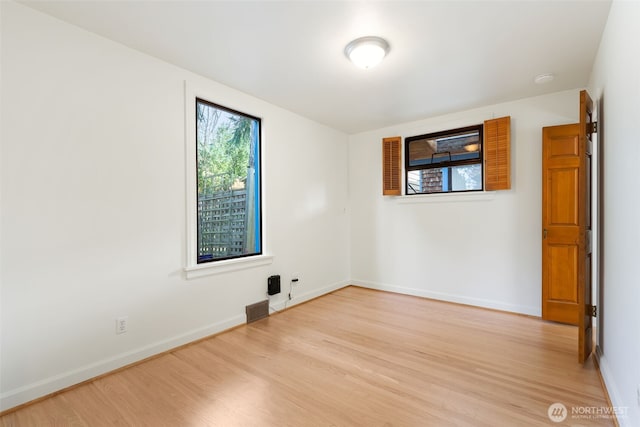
(585, 313)
(566, 225)
(561, 259)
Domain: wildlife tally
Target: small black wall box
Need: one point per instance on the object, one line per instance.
(273, 285)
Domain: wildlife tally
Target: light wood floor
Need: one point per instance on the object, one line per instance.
(355, 357)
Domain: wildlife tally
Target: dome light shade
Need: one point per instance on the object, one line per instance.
(367, 52)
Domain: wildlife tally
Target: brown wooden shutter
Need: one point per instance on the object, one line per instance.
(497, 154)
(391, 166)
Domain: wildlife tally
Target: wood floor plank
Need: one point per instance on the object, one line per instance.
(351, 358)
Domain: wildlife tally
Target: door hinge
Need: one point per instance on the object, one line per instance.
(592, 127)
(594, 310)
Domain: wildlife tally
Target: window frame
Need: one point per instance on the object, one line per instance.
(192, 269)
(445, 164)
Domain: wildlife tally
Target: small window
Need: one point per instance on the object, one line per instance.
(444, 162)
(228, 181)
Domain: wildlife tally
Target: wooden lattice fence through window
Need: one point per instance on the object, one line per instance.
(222, 222)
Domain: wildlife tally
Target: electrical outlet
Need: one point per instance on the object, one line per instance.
(121, 325)
(295, 278)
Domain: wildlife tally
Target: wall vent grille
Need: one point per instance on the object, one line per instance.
(257, 311)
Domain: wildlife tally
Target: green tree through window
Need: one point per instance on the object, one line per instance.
(228, 168)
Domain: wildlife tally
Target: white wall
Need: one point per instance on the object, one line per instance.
(93, 207)
(615, 87)
(407, 247)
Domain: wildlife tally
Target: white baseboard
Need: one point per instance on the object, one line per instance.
(478, 302)
(612, 389)
(298, 298)
(29, 392)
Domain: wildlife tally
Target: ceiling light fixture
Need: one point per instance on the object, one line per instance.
(367, 52)
(544, 78)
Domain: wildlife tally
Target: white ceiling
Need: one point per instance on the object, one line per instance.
(445, 55)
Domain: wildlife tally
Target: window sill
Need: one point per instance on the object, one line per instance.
(448, 198)
(227, 266)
